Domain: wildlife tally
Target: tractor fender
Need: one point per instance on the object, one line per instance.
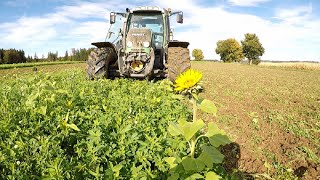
(182, 44)
(105, 44)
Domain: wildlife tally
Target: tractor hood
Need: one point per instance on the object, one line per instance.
(139, 38)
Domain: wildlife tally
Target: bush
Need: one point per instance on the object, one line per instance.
(65, 127)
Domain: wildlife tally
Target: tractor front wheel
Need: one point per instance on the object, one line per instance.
(178, 62)
(98, 63)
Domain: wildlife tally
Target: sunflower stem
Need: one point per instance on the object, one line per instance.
(194, 118)
(194, 102)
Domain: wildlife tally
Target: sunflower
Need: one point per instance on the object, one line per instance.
(187, 80)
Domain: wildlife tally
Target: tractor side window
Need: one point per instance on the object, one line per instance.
(115, 29)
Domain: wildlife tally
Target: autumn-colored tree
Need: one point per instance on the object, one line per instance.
(197, 54)
(229, 50)
(252, 48)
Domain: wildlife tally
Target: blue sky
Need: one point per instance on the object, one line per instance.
(288, 29)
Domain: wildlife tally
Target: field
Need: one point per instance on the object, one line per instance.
(293, 65)
(35, 64)
(272, 115)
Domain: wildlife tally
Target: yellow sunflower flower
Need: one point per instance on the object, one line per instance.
(187, 80)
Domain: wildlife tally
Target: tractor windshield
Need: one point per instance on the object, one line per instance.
(153, 21)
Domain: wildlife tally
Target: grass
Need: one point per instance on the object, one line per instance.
(273, 114)
(21, 65)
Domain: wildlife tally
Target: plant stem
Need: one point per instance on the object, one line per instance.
(194, 118)
(194, 102)
(193, 147)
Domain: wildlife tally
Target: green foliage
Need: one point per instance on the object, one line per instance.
(229, 50)
(22, 65)
(64, 127)
(201, 162)
(12, 56)
(205, 159)
(255, 61)
(66, 56)
(252, 48)
(197, 54)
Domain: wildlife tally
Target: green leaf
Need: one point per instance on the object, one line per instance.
(218, 140)
(210, 155)
(174, 129)
(189, 129)
(194, 176)
(67, 118)
(208, 107)
(117, 168)
(73, 126)
(42, 110)
(174, 177)
(216, 136)
(171, 162)
(191, 164)
(213, 130)
(62, 91)
(125, 129)
(212, 176)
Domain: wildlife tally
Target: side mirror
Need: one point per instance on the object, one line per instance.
(112, 18)
(180, 18)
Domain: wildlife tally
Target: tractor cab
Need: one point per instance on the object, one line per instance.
(151, 20)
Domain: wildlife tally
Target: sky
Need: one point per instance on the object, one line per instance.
(287, 29)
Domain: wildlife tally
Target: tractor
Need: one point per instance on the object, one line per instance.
(139, 44)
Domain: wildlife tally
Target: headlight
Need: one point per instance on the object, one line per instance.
(129, 44)
(146, 44)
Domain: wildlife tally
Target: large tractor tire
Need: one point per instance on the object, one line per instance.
(178, 62)
(98, 62)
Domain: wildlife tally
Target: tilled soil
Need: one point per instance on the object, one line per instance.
(262, 112)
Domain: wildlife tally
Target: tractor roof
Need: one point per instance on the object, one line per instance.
(148, 9)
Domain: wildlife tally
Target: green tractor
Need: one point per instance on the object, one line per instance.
(139, 45)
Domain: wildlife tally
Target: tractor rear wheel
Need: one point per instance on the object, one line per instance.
(178, 62)
(98, 62)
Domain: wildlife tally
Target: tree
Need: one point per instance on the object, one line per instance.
(66, 56)
(1, 56)
(197, 54)
(252, 48)
(35, 57)
(52, 56)
(229, 50)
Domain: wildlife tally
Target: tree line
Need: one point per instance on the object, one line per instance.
(11, 56)
(230, 50)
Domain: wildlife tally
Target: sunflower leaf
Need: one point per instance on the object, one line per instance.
(207, 106)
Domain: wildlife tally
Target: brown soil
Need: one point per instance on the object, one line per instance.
(258, 140)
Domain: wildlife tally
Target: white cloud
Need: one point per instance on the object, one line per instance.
(247, 2)
(282, 41)
(294, 36)
(295, 15)
(68, 27)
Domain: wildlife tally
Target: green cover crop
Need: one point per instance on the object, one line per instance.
(65, 127)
